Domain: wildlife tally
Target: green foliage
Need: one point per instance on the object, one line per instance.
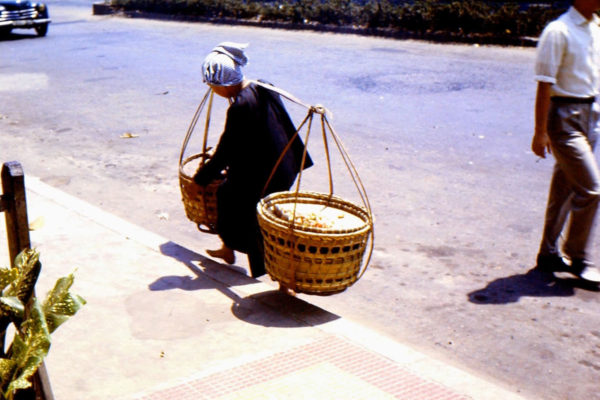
(28, 266)
(29, 347)
(60, 304)
(337, 12)
(33, 322)
(455, 17)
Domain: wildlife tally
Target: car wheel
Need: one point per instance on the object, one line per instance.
(5, 31)
(42, 29)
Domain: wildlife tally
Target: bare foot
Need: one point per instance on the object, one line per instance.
(224, 253)
(287, 290)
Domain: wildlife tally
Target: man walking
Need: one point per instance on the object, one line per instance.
(566, 125)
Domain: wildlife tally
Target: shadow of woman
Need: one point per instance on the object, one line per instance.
(534, 283)
(270, 309)
(212, 275)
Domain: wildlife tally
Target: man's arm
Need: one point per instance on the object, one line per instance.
(541, 142)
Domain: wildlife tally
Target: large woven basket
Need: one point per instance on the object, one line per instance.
(308, 259)
(200, 202)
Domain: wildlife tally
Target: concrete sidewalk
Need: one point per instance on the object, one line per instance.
(163, 322)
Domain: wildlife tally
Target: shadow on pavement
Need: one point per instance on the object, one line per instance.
(17, 36)
(534, 283)
(271, 308)
(210, 267)
(305, 314)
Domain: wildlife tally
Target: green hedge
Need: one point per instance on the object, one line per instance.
(456, 18)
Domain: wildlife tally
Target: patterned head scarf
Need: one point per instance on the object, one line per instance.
(222, 66)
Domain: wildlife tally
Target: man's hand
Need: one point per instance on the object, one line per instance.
(540, 144)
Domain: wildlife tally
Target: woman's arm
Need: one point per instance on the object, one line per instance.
(220, 159)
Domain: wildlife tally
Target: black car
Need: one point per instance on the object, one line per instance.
(23, 14)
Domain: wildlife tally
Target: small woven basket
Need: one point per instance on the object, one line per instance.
(200, 202)
(311, 259)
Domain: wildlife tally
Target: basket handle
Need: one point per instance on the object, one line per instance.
(207, 96)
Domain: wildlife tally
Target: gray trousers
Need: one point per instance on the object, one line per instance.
(575, 186)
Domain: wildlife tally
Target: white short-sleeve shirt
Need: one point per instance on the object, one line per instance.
(568, 55)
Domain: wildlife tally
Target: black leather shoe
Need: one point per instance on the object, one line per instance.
(551, 263)
(585, 270)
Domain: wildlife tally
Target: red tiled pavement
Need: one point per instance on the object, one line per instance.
(364, 366)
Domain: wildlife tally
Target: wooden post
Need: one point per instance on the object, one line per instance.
(14, 204)
(41, 384)
(17, 225)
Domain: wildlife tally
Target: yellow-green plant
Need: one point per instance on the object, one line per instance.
(33, 321)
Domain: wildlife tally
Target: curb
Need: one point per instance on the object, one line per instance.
(102, 8)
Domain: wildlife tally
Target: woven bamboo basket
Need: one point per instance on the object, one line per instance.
(308, 257)
(311, 259)
(200, 202)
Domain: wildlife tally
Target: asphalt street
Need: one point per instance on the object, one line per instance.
(440, 136)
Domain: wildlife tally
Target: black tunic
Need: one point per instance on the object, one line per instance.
(256, 132)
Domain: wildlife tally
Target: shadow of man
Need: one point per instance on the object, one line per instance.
(533, 283)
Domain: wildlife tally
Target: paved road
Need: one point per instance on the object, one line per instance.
(439, 133)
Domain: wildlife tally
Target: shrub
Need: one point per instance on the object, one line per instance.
(460, 16)
(378, 14)
(33, 321)
(479, 17)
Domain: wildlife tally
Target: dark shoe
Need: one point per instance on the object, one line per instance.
(551, 263)
(585, 270)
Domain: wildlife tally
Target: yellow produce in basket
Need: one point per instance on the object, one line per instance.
(315, 216)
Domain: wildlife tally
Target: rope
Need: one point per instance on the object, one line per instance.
(193, 125)
(361, 191)
(207, 125)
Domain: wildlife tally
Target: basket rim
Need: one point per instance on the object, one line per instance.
(354, 209)
(187, 161)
